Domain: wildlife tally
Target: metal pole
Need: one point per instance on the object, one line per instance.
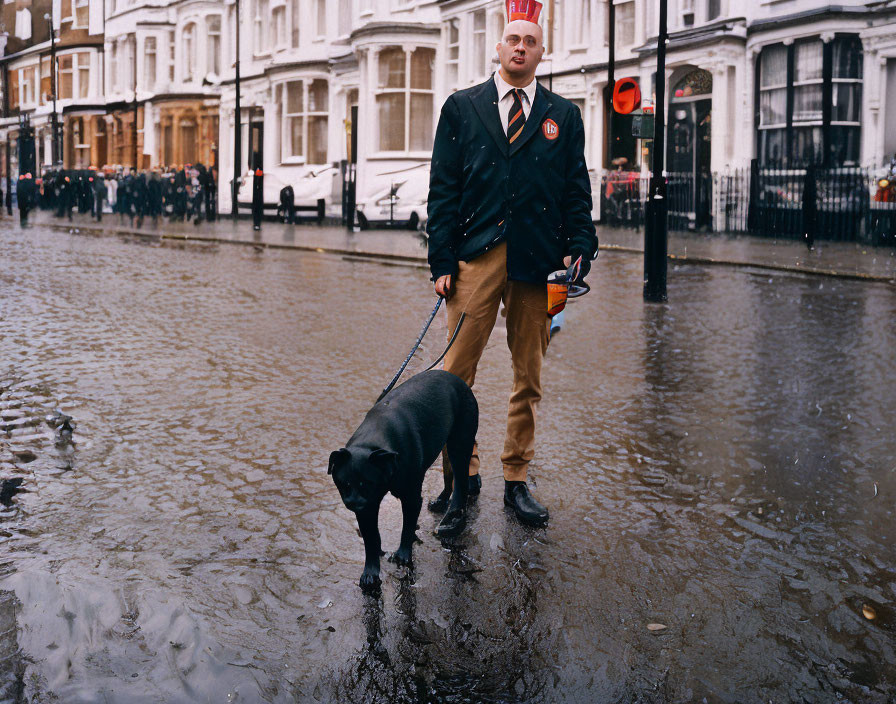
(655, 230)
(54, 118)
(237, 127)
(8, 164)
(611, 79)
(136, 164)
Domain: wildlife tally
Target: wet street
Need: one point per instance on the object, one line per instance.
(720, 472)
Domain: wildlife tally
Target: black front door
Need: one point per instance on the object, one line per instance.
(689, 154)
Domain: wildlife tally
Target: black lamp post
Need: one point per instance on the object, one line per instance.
(655, 223)
(237, 131)
(54, 118)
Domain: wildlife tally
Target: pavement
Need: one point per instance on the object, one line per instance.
(838, 259)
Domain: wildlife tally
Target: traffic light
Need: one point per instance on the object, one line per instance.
(626, 96)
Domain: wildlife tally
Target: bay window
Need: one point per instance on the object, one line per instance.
(66, 76)
(810, 96)
(305, 119)
(405, 99)
(83, 74)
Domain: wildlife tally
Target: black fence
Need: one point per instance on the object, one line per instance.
(846, 204)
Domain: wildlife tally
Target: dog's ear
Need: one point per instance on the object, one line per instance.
(337, 458)
(385, 460)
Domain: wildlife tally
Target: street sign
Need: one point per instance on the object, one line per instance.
(642, 126)
(626, 96)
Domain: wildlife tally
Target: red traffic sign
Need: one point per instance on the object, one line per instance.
(626, 96)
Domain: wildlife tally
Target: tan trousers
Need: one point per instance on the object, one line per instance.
(479, 288)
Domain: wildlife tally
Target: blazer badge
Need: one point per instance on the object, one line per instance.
(549, 129)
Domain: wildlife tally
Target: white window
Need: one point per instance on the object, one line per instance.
(479, 41)
(66, 76)
(149, 62)
(83, 74)
(452, 62)
(321, 18)
(262, 42)
(305, 116)
(713, 9)
(172, 49)
(113, 69)
(213, 44)
(345, 17)
(625, 24)
(189, 51)
(81, 11)
(294, 24)
(278, 25)
(580, 21)
(27, 81)
(405, 99)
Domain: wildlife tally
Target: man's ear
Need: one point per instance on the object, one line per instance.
(385, 460)
(337, 458)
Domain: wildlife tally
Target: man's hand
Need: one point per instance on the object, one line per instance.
(443, 286)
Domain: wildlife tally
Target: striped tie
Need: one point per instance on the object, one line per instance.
(517, 116)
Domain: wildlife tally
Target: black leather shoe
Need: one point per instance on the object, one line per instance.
(474, 485)
(524, 505)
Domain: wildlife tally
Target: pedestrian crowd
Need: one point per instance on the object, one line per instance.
(181, 193)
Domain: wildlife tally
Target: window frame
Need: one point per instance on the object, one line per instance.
(214, 44)
(287, 156)
(790, 135)
(407, 90)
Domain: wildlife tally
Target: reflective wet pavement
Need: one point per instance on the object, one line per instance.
(720, 473)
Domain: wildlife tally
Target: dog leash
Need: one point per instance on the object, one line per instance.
(417, 344)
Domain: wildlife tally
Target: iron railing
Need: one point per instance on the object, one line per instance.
(847, 204)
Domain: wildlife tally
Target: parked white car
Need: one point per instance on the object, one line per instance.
(401, 204)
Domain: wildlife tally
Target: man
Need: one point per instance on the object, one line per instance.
(25, 197)
(257, 199)
(509, 202)
(100, 192)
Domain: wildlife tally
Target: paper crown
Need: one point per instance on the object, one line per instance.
(523, 10)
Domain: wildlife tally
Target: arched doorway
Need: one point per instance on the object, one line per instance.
(689, 150)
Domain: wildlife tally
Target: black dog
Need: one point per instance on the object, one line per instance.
(400, 438)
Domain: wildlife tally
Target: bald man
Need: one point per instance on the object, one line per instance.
(509, 203)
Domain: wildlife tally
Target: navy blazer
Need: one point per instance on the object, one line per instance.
(535, 194)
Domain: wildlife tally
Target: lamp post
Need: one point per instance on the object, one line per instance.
(655, 224)
(237, 128)
(54, 118)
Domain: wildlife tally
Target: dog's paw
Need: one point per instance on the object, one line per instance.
(452, 524)
(402, 557)
(370, 580)
(439, 504)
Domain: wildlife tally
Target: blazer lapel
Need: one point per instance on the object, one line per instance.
(540, 106)
(485, 101)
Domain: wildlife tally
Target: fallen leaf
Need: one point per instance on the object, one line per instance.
(656, 627)
(869, 612)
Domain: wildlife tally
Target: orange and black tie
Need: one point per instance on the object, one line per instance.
(517, 117)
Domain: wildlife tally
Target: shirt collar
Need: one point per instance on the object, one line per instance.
(504, 88)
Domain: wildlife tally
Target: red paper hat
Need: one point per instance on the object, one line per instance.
(523, 10)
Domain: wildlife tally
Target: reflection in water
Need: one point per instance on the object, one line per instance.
(718, 470)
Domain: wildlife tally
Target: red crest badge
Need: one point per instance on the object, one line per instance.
(549, 129)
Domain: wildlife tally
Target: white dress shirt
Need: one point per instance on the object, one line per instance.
(505, 98)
